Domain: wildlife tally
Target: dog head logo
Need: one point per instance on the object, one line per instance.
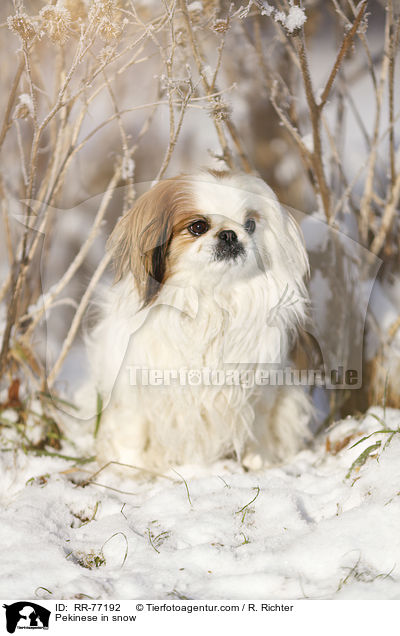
(26, 615)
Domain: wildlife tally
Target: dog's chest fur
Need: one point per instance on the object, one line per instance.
(189, 332)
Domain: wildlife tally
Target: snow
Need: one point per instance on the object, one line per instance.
(308, 141)
(195, 6)
(24, 107)
(300, 530)
(295, 19)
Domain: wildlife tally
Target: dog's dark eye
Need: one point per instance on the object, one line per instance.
(250, 226)
(198, 227)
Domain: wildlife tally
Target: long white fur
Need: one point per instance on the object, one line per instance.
(208, 314)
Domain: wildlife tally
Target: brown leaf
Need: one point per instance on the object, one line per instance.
(336, 447)
(13, 401)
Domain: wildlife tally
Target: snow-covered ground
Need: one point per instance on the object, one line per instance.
(300, 530)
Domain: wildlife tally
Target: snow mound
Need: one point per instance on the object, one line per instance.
(324, 525)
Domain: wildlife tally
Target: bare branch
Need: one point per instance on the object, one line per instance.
(73, 330)
(387, 218)
(365, 205)
(347, 40)
(11, 99)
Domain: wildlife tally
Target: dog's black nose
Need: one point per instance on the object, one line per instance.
(228, 236)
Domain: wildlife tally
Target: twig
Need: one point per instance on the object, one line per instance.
(227, 155)
(365, 204)
(6, 123)
(186, 485)
(314, 111)
(77, 319)
(347, 40)
(81, 255)
(387, 217)
(393, 44)
(173, 140)
(393, 329)
(123, 465)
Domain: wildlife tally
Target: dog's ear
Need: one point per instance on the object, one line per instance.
(141, 239)
(154, 249)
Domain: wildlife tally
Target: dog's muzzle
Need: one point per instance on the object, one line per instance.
(228, 246)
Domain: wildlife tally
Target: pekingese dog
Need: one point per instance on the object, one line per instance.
(208, 298)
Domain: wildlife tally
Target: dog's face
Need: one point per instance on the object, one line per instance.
(207, 230)
(224, 235)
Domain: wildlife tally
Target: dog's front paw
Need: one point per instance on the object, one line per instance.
(252, 461)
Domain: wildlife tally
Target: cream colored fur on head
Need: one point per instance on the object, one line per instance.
(210, 276)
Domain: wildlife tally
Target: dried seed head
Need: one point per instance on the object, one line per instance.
(219, 110)
(22, 24)
(56, 21)
(24, 108)
(109, 30)
(106, 54)
(76, 8)
(106, 16)
(220, 25)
